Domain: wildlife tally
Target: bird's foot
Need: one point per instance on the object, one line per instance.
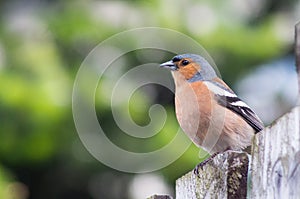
(201, 164)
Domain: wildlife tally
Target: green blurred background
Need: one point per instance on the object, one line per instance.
(43, 43)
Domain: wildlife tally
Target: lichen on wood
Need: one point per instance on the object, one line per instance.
(225, 176)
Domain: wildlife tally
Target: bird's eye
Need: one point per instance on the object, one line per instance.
(185, 62)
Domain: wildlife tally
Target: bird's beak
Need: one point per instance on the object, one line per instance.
(169, 64)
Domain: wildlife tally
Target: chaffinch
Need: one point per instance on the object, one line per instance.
(208, 111)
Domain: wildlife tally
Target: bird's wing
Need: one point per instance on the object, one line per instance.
(228, 99)
(239, 107)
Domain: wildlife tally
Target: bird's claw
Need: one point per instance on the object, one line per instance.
(201, 164)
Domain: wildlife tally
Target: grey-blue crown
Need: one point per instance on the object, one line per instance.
(206, 73)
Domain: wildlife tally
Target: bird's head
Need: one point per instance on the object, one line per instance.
(191, 67)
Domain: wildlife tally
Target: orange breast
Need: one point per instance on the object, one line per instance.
(193, 109)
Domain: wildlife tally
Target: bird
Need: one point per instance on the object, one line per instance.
(208, 110)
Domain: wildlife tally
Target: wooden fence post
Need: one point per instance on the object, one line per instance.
(276, 152)
(223, 177)
(275, 163)
(297, 52)
(275, 170)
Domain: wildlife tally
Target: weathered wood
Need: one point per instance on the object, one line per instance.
(225, 176)
(275, 166)
(297, 45)
(297, 51)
